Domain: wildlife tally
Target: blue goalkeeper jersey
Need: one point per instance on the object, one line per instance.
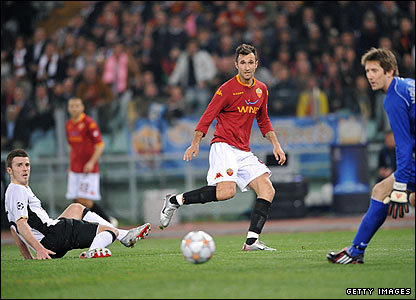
(399, 104)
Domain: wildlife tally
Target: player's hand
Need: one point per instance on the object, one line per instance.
(280, 155)
(88, 167)
(44, 254)
(398, 201)
(192, 150)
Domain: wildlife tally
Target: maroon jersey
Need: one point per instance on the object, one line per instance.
(235, 105)
(82, 136)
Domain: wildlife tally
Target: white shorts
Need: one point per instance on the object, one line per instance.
(83, 185)
(227, 163)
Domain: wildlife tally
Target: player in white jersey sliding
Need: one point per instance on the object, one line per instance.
(76, 228)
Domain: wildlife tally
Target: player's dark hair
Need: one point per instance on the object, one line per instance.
(245, 49)
(385, 57)
(15, 153)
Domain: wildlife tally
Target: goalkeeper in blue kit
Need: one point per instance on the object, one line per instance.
(392, 195)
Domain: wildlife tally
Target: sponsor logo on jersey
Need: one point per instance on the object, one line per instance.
(238, 93)
(248, 109)
(218, 175)
(218, 92)
(248, 102)
(230, 172)
(80, 126)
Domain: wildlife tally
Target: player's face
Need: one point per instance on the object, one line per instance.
(246, 66)
(378, 79)
(20, 170)
(75, 108)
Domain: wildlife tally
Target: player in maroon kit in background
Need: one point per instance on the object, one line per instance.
(235, 105)
(85, 148)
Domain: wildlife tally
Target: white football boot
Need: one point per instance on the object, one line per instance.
(135, 234)
(167, 211)
(96, 253)
(257, 245)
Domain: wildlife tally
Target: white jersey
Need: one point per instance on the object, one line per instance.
(21, 202)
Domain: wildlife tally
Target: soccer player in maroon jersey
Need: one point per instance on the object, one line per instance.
(85, 147)
(235, 105)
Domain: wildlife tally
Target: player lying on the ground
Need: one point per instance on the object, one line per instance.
(76, 228)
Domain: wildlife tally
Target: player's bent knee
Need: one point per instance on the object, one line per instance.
(380, 191)
(226, 192)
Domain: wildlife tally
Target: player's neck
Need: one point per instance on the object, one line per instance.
(249, 82)
(386, 87)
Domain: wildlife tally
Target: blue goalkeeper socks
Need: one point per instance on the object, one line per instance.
(372, 221)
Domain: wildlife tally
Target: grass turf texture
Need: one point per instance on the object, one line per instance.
(155, 268)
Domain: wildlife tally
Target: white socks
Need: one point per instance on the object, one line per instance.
(252, 234)
(102, 240)
(179, 199)
(93, 217)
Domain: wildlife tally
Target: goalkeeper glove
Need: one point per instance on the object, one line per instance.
(398, 201)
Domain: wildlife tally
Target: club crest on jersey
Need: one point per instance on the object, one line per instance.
(230, 172)
(218, 175)
(259, 92)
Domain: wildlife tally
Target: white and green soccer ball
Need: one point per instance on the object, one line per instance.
(198, 247)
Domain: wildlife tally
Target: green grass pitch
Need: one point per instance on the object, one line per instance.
(155, 268)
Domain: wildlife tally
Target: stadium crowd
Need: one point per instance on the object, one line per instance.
(121, 57)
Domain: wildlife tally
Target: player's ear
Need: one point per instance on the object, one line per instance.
(236, 65)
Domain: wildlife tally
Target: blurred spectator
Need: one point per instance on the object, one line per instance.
(18, 128)
(62, 92)
(6, 66)
(332, 86)
(407, 68)
(96, 95)
(312, 101)
(193, 71)
(387, 157)
(50, 68)
(40, 114)
(20, 58)
(176, 35)
(361, 102)
(175, 107)
(233, 14)
(148, 58)
(88, 56)
(118, 68)
(139, 106)
(370, 33)
(406, 37)
(36, 49)
(282, 93)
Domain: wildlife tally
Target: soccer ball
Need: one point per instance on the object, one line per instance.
(198, 247)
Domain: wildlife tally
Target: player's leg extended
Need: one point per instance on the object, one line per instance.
(222, 191)
(371, 222)
(265, 195)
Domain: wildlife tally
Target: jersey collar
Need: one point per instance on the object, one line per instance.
(249, 86)
(80, 118)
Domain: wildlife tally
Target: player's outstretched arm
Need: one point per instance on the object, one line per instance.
(23, 248)
(193, 150)
(24, 230)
